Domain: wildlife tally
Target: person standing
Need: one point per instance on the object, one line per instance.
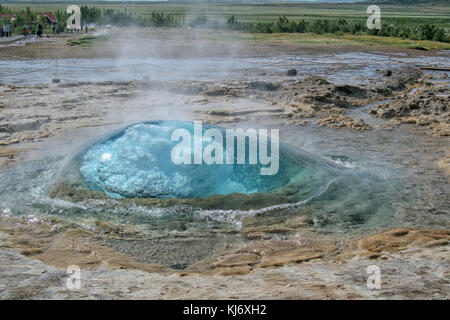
(40, 30)
(8, 30)
(26, 30)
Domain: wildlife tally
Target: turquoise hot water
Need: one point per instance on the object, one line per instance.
(136, 163)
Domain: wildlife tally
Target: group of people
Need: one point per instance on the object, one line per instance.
(5, 30)
(27, 29)
(79, 29)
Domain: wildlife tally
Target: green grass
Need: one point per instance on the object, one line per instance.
(344, 39)
(86, 41)
(267, 12)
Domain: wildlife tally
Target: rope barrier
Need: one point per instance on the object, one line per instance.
(22, 73)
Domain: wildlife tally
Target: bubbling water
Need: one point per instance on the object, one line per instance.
(136, 163)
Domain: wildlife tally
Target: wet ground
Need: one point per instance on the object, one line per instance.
(355, 68)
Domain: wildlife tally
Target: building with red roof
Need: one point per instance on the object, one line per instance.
(8, 15)
(50, 17)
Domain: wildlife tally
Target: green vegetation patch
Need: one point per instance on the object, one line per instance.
(86, 41)
(410, 24)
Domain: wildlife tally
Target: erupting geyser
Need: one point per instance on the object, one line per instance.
(137, 162)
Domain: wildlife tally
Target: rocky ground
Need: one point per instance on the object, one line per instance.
(426, 106)
(56, 108)
(413, 265)
(302, 263)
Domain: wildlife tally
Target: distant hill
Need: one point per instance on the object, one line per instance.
(391, 2)
(409, 2)
(143, 1)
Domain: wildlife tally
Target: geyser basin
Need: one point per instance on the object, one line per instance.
(307, 193)
(137, 163)
(134, 169)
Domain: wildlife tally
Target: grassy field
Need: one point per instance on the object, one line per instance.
(265, 12)
(344, 39)
(438, 15)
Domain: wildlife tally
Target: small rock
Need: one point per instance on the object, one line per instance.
(387, 73)
(388, 113)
